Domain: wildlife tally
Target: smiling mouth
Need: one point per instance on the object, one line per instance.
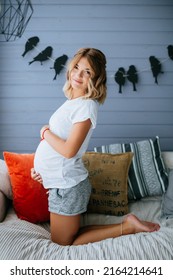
(78, 82)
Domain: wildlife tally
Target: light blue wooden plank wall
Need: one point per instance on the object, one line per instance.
(128, 32)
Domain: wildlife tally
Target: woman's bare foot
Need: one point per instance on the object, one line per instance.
(132, 224)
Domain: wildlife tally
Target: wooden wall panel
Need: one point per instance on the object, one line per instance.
(128, 32)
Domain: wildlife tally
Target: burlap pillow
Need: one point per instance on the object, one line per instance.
(108, 175)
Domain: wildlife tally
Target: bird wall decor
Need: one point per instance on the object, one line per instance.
(30, 44)
(156, 67)
(120, 78)
(59, 64)
(132, 76)
(43, 55)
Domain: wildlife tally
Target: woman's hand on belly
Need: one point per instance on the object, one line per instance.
(36, 176)
(42, 130)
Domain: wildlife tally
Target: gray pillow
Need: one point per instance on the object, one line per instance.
(3, 206)
(5, 184)
(167, 199)
(147, 173)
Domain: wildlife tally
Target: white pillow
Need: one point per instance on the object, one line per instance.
(168, 159)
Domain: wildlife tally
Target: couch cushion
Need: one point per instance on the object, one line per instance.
(108, 176)
(3, 206)
(5, 184)
(29, 197)
(147, 173)
(167, 199)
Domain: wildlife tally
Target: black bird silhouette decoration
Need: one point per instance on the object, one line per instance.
(43, 56)
(59, 64)
(30, 44)
(120, 78)
(156, 67)
(132, 76)
(170, 51)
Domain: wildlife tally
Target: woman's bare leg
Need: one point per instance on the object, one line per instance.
(65, 230)
(130, 225)
(96, 233)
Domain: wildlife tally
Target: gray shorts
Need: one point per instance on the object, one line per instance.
(70, 201)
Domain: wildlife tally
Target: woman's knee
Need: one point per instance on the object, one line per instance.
(63, 241)
(64, 229)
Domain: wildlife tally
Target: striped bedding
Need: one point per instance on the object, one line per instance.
(26, 241)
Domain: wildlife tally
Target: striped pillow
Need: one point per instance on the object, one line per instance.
(147, 173)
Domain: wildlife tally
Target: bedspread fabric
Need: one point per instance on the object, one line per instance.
(26, 241)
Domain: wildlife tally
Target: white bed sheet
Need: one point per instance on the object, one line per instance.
(26, 241)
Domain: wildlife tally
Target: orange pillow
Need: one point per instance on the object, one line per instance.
(29, 197)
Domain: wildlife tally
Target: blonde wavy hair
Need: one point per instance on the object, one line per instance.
(97, 82)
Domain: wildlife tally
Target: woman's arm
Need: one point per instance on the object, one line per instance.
(68, 148)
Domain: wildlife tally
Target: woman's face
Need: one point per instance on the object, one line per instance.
(80, 75)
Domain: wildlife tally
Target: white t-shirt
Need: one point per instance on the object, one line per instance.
(56, 170)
